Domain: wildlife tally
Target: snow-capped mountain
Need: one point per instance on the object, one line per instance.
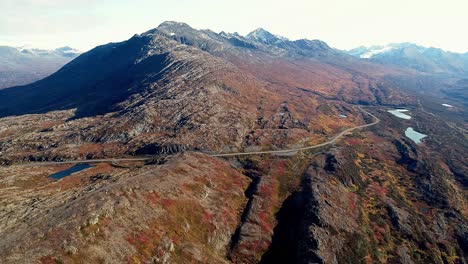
(265, 37)
(63, 51)
(369, 52)
(68, 52)
(377, 50)
(300, 47)
(23, 65)
(259, 39)
(416, 57)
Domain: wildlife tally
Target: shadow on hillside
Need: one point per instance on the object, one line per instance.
(94, 83)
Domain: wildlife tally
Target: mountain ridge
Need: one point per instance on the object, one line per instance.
(154, 42)
(410, 55)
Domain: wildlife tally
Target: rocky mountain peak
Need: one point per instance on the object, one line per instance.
(263, 36)
(172, 24)
(170, 28)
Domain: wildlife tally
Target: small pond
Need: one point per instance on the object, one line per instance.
(69, 171)
(399, 113)
(414, 135)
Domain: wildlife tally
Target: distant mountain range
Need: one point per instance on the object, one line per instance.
(23, 65)
(409, 55)
(104, 78)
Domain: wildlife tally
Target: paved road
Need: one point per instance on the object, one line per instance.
(286, 151)
(283, 151)
(35, 163)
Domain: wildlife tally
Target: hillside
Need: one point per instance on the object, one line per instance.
(172, 98)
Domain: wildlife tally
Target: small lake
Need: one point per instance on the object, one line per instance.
(414, 135)
(399, 113)
(69, 171)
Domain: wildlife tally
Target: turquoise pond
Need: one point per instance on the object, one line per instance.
(414, 135)
(400, 113)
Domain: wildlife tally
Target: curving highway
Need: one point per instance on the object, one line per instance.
(286, 151)
(282, 151)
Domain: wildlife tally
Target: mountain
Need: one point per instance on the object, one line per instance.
(208, 147)
(143, 60)
(428, 60)
(303, 47)
(265, 37)
(19, 66)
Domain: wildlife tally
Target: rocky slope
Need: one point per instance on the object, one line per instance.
(204, 96)
(182, 211)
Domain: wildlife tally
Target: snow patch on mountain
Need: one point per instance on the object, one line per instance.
(372, 51)
(263, 36)
(26, 49)
(68, 50)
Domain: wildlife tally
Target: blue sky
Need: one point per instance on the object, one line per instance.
(343, 24)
